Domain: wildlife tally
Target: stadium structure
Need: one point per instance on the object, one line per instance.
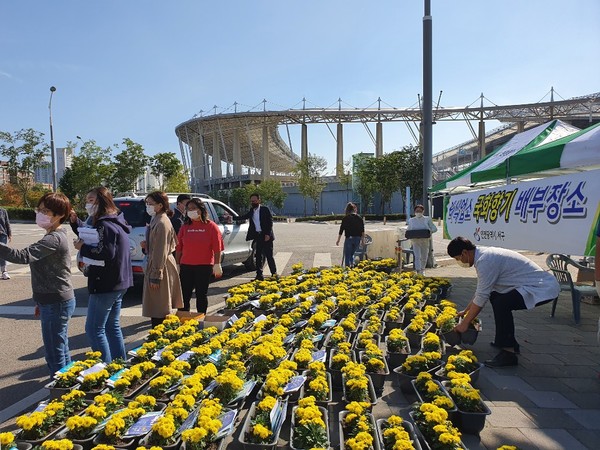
(228, 149)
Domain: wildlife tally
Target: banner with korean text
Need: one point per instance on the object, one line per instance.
(551, 215)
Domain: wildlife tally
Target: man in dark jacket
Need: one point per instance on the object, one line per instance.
(179, 211)
(260, 232)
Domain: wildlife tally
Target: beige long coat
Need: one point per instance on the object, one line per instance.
(161, 242)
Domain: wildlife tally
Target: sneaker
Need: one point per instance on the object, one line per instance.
(503, 359)
(259, 278)
(516, 347)
(5, 276)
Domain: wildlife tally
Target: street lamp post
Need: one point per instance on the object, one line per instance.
(52, 149)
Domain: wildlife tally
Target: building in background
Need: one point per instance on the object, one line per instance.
(147, 183)
(43, 174)
(64, 159)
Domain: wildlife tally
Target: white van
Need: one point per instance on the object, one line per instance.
(237, 249)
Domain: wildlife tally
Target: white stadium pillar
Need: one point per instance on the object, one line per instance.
(266, 169)
(339, 162)
(237, 154)
(216, 157)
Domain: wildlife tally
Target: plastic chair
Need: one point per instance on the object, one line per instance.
(362, 252)
(405, 253)
(559, 266)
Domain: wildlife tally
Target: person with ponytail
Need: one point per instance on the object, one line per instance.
(198, 253)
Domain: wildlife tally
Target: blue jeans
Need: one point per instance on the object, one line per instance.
(55, 332)
(351, 244)
(4, 240)
(103, 326)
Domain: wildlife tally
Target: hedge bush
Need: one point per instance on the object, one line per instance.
(330, 217)
(28, 214)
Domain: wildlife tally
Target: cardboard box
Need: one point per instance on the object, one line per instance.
(184, 316)
(212, 320)
(216, 320)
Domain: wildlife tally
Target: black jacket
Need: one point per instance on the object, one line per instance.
(113, 249)
(266, 223)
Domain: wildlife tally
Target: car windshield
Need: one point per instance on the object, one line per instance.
(134, 212)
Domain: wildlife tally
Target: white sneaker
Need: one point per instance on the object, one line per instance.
(5, 276)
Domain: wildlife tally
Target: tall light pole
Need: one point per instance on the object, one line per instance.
(52, 150)
(427, 105)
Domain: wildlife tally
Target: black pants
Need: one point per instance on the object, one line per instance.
(195, 277)
(504, 305)
(264, 250)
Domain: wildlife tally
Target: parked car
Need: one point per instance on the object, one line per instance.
(237, 249)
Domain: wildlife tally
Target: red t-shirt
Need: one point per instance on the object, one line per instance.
(198, 242)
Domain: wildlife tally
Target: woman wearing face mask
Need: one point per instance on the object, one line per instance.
(198, 253)
(510, 282)
(420, 246)
(50, 263)
(109, 274)
(162, 288)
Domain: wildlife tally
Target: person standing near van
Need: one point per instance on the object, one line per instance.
(421, 245)
(5, 238)
(198, 253)
(109, 276)
(260, 231)
(354, 227)
(162, 288)
(178, 218)
(50, 262)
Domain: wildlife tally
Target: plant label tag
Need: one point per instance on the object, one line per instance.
(277, 415)
(246, 389)
(133, 351)
(319, 355)
(64, 369)
(189, 422)
(233, 319)
(260, 318)
(255, 303)
(185, 356)
(143, 425)
(115, 376)
(294, 384)
(227, 423)
(328, 323)
(40, 407)
(95, 368)
(156, 356)
(300, 324)
(215, 357)
(317, 337)
(211, 386)
(289, 338)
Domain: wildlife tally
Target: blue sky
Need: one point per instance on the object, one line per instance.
(139, 68)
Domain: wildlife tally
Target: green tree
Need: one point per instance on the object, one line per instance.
(178, 182)
(165, 166)
(388, 174)
(412, 170)
(91, 168)
(310, 173)
(345, 177)
(25, 151)
(271, 193)
(239, 198)
(130, 164)
(365, 179)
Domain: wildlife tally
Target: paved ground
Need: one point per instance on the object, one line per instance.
(550, 401)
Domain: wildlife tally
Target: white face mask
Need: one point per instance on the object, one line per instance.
(43, 221)
(91, 208)
(150, 210)
(193, 214)
(419, 214)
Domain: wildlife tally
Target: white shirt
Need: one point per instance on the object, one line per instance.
(421, 223)
(502, 270)
(256, 219)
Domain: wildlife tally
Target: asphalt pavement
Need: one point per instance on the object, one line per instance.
(550, 401)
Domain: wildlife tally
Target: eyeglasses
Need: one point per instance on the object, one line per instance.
(43, 211)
